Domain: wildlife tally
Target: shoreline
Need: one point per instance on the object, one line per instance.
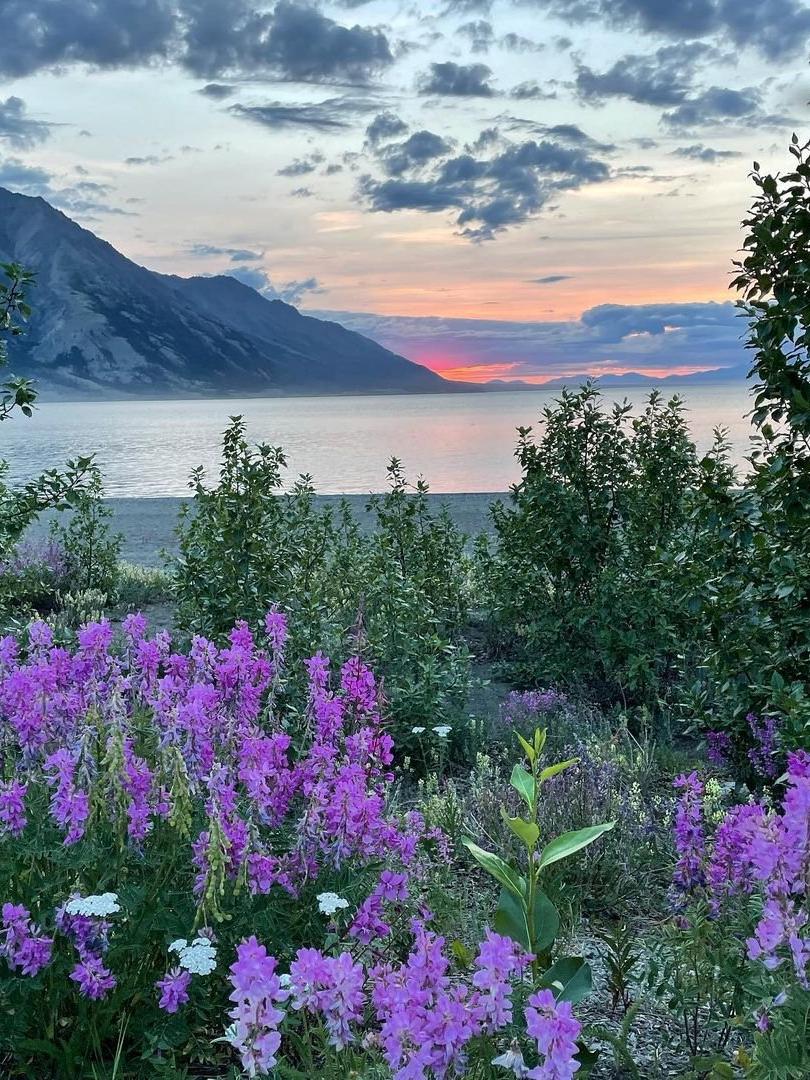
(147, 522)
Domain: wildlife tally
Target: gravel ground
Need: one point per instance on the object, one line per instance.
(148, 524)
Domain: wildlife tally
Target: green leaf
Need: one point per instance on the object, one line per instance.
(554, 770)
(511, 921)
(523, 783)
(526, 831)
(527, 746)
(571, 842)
(569, 978)
(494, 865)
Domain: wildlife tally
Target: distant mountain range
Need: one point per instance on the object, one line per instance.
(105, 327)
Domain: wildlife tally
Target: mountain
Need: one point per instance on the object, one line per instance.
(105, 327)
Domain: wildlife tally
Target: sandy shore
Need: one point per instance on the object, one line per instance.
(148, 524)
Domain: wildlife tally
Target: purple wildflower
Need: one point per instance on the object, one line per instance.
(94, 979)
(555, 1028)
(763, 754)
(689, 838)
(12, 807)
(256, 994)
(173, 990)
(718, 748)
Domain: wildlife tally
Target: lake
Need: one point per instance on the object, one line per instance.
(458, 442)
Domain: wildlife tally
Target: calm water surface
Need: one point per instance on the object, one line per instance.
(459, 442)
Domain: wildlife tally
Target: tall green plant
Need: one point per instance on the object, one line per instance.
(525, 913)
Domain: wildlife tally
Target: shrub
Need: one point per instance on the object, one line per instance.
(587, 581)
(396, 593)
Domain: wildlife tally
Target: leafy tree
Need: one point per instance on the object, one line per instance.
(760, 594)
(19, 506)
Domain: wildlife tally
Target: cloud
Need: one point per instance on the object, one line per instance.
(417, 150)
(457, 80)
(208, 37)
(550, 279)
(18, 129)
(385, 126)
(479, 33)
(296, 41)
(302, 193)
(778, 29)
(333, 114)
(648, 336)
(467, 7)
(292, 292)
(531, 90)
(148, 159)
(662, 78)
(84, 198)
(217, 91)
(205, 251)
(721, 105)
(302, 166)
(40, 34)
(699, 152)
(486, 193)
(517, 43)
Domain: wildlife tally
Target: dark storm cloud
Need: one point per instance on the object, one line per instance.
(39, 34)
(776, 28)
(385, 126)
(334, 114)
(659, 336)
(479, 33)
(662, 78)
(720, 104)
(295, 41)
(19, 130)
(456, 80)
(486, 194)
(518, 43)
(699, 152)
(208, 37)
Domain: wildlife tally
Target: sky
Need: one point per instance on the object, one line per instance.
(495, 188)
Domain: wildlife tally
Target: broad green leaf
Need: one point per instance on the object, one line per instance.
(539, 740)
(494, 865)
(526, 831)
(511, 921)
(571, 842)
(569, 979)
(554, 770)
(523, 783)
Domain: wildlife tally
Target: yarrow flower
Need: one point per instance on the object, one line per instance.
(198, 958)
(93, 906)
(442, 730)
(329, 903)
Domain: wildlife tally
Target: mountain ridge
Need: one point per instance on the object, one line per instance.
(104, 326)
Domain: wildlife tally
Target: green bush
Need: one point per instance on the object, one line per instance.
(592, 578)
(396, 593)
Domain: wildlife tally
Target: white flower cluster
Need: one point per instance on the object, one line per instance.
(98, 906)
(200, 957)
(443, 730)
(329, 903)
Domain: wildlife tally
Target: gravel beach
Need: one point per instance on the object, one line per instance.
(148, 524)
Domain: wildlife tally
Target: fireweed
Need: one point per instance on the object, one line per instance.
(748, 887)
(166, 816)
